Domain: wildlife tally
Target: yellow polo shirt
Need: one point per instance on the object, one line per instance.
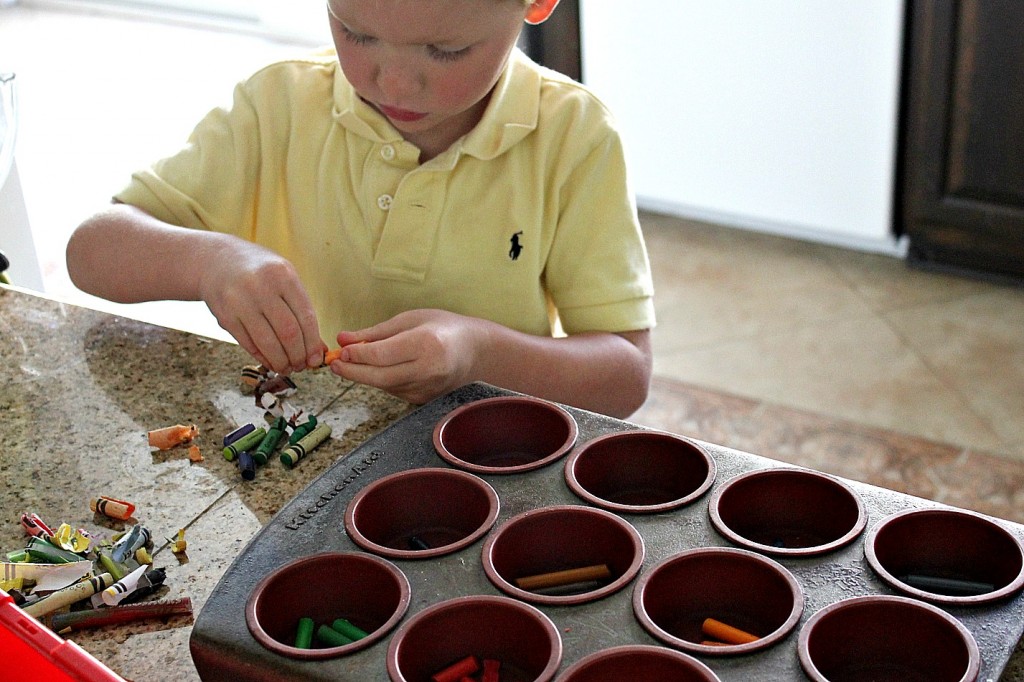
(526, 219)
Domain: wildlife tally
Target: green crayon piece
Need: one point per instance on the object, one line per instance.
(304, 634)
(295, 452)
(41, 550)
(329, 635)
(246, 442)
(302, 430)
(19, 557)
(270, 441)
(346, 628)
(112, 567)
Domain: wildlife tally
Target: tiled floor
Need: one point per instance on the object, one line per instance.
(846, 362)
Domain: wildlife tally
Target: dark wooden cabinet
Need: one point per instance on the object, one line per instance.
(962, 158)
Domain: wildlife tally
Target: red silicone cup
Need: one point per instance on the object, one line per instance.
(534, 543)
(887, 638)
(788, 512)
(946, 545)
(505, 435)
(421, 513)
(640, 472)
(520, 637)
(368, 591)
(734, 586)
(638, 662)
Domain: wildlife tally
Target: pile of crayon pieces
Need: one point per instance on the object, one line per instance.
(470, 669)
(339, 633)
(251, 446)
(59, 568)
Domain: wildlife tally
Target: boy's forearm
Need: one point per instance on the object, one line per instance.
(125, 255)
(602, 372)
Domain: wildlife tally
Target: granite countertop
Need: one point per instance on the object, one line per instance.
(81, 391)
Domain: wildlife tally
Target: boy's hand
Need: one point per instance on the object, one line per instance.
(417, 355)
(257, 297)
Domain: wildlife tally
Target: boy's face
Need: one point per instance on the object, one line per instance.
(427, 65)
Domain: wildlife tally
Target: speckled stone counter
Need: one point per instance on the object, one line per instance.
(81, 389)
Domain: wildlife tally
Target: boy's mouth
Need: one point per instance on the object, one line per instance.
(403, 115)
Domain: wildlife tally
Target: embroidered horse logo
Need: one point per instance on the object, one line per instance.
(517, 248)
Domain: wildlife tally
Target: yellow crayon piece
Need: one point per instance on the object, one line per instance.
(179, 545)
(143, 556)
(172, 436)
(69, 595)
(68, 538)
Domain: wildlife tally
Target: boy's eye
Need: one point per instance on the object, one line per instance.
(355, 38)
(442, 55)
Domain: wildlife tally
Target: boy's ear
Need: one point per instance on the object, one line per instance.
(540, 10)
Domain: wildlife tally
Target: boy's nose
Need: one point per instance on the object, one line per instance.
(397, 80)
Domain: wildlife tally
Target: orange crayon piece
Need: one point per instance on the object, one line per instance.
(195, 454)
(332, 355)
(726, 633)
(172, 436)
(567, 577)
(115, 509)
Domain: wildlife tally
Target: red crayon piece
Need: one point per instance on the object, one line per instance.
(115, 509)
(456, 671)
(113, 615)
(491, 670)
(35, 527)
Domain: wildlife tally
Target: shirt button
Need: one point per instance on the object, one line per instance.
(384, 202)
(387, 152)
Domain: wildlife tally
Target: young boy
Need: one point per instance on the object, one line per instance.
(424, 188)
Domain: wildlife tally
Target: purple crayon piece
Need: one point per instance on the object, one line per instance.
(238, 433)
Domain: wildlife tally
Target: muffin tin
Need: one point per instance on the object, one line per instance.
(425, 536)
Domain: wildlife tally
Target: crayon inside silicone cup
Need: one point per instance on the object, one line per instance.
(951, 546)
(534, 544)
(737, 587)
(787, 512)
(638, 662)
(421, 513)
(366, 590)
(886, 638)
(505, 435)
(640, 471)
(523, 639)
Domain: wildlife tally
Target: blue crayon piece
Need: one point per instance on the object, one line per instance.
(247, 465)
(129, 542)
(238, 433)
(416, 543)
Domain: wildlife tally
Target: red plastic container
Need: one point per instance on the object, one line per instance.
(32, 652)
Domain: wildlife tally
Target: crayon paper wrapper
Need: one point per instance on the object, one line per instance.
(48, 577)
